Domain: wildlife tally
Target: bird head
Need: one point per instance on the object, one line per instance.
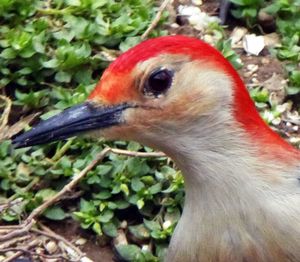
(154, 92)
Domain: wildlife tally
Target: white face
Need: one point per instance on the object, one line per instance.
(196, 91)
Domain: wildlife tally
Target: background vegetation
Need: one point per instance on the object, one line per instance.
(51, 56)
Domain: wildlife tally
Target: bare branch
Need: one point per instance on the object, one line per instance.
(156, 19)
(22, 230)
(136, 154)
(6, 112)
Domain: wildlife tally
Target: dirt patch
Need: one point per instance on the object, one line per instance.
(267, 66)
(97, 249)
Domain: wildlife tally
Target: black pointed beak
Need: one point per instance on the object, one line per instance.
(70, 122)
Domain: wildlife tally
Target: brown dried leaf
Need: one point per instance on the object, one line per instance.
(8, 131)
(276, 87)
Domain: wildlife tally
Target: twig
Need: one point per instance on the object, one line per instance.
(18, 251)
(136, 154)
(46, 231)
(62, 150)
(156, 19)
(6, 112)
(74, 195)
(12, 242)
(9, 227)
(23, 229)
(51, 257)
(21, 250)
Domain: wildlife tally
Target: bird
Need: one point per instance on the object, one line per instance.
(179, 95)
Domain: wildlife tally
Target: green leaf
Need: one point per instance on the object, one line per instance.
(139, 231)
(155, 189)
(8, 53)
(94, 179)
(45, 194)
(63, 77)
(110, 229)
(106, 216)
(122, 204)
(55, 213)
(137, 184)
(140, 203)
(4, 148)
(152, 225)
(129, 252)
(104, 169)
(124, 189)
(52, 63)
(5, 184)
(97, 228)
(133, 146)
(50, 114)
(86, 206)
(104, 194)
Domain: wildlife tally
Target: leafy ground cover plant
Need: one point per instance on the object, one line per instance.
(51, 55)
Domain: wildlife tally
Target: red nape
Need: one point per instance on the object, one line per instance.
(273, 145)
(245, 111)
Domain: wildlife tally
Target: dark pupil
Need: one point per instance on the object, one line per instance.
(159, 81)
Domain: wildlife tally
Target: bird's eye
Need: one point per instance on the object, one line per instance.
(158, 82)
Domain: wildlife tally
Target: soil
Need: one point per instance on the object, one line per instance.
(97, 249)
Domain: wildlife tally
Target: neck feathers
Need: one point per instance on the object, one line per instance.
(258, 131)
(239, 205)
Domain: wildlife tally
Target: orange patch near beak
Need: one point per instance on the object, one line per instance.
(115, 88)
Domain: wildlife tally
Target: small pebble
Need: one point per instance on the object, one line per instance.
(123, 224)
(248, 74)
(167, 224)
(276, 121)
(80, 241)
(252, 67)
(282, 108)
(85, 259)
(51, 247)
(208, 39)
(197, 2)
(51, 260)
(265, 61)
(295, 140)
(9, 253)
(174, 25)
(145, 248)
(120, 239)
(39, 250)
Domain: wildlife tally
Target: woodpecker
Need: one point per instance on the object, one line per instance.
(180, 95)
